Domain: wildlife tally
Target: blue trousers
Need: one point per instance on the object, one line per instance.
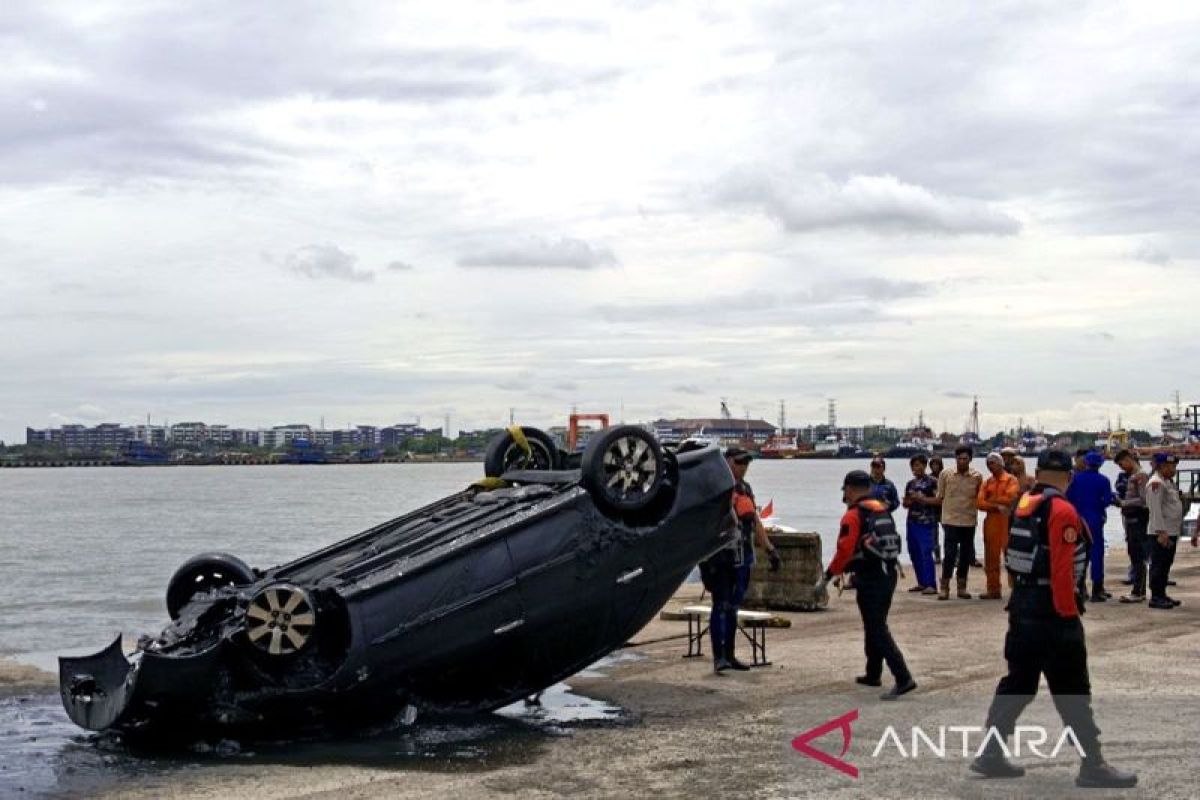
(1096, 554)
(920, 551)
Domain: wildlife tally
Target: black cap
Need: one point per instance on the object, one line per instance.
(856, 477)
(740, 454)
(1055, 461)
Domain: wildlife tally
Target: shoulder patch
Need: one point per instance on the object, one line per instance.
(1070, 535)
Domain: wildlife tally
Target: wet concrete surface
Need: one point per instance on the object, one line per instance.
(44, 755)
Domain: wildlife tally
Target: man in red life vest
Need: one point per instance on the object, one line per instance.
(869, 546)
(1047, 554)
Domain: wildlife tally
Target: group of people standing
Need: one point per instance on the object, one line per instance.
(1150, 504)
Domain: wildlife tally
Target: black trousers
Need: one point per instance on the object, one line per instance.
(1044, 644)
(960, 551)
(1161, 559)
(874, 587)
(1135, 543)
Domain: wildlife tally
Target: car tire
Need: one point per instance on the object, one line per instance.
(623, 469)
(504, 454)
(202, 573)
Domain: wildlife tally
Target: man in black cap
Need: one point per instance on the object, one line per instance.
(726, 574)
(1047, 554)
(869, 546)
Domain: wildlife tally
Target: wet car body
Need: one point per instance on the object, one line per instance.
(473, 602)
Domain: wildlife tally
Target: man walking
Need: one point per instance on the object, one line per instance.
(1164, 527)
(958, 491)
(1047, 554)
(1134, 517)
(1092, 494)
(869, 545)
(921, 524)
(996, 498)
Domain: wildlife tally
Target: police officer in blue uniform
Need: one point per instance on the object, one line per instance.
(1047, 555)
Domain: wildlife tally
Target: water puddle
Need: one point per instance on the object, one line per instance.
(42, 754)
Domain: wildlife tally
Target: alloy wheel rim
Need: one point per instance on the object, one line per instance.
(280, 619)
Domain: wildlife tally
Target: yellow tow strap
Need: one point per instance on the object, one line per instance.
(523, 443)
(518, 435)
(488, 484)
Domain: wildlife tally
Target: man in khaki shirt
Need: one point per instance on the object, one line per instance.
(958, 490)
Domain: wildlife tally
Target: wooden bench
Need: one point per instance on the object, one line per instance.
(751, 624)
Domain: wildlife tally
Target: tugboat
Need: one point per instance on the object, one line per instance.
(918, 442)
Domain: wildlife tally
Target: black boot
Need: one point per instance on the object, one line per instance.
(720, 664)
(741, 666)
(993, 764)
(901, 688)
(1095, 773)
(867, 680)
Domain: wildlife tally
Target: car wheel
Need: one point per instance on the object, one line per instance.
(623, 468)
(505, 453)
(280, 619)
(203, 573)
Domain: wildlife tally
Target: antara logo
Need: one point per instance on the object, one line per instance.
(1027, 740)
(801, 743)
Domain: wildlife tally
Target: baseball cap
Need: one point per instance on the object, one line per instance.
(1055, 461)
(856, 477)
(739, 454)
(1166, 458)
(1008, 451)
(1093, 459)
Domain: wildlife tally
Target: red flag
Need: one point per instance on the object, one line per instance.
(768, 510)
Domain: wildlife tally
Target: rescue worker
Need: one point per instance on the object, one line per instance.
(996, 497)
(1092, 494)
(1131, 497)
(882, 488)
(868, 546)
(731, 566)
(921, 524)
(958, 491)
(1164, 527)
(1047, 552)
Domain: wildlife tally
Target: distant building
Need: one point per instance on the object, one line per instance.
(729, 431)
(189, 433)
(109, 436)
(281, 436)
(150, 434)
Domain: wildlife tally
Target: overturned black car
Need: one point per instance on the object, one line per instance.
(475, 601)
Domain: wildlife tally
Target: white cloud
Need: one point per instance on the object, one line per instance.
(325, 261)
(874, 203)
(539, 253)
(1150, 253)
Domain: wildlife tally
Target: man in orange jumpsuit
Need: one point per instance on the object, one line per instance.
(996, 496)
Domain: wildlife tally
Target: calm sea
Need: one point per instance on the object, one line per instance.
(86, 553)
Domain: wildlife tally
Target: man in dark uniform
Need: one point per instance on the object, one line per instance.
(869, 545)
(726, 574)
(1046, 555)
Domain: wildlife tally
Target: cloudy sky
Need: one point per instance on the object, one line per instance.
(259, 213)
